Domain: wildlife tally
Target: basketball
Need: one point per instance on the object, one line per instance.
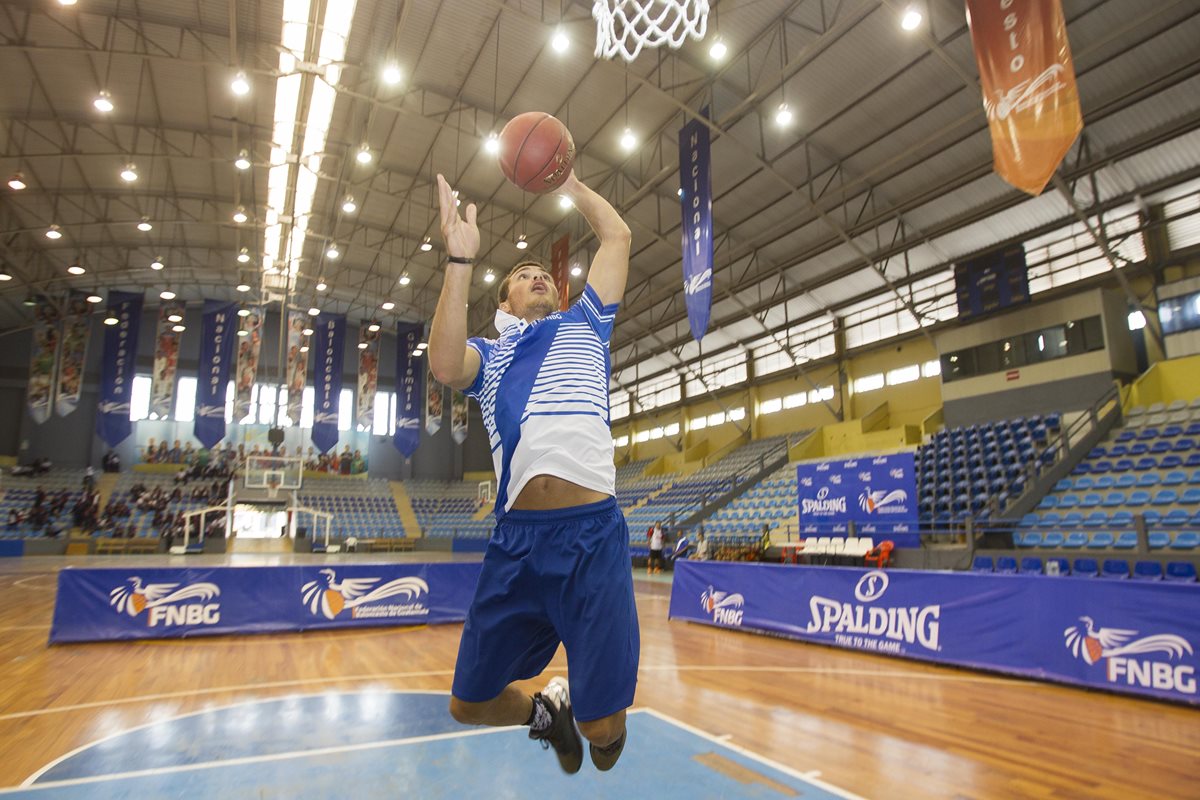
(536, 152)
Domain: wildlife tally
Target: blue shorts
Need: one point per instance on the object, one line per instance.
(550, 577)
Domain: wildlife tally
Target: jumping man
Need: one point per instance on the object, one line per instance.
(557, 566)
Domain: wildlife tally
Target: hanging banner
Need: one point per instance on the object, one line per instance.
(560, 254)
(74, 353)
(409, 374)
(368, 373)
(435, 403)
(695, 180)
(1029, 92)
(218, 330)
(166, 358)
(297, 364)
(249, 345)
(43, 360)
(119, 367)
(458, 417)
(329, 342)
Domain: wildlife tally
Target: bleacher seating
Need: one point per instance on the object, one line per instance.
(364, 509)
(143, 521)
(19, 492)
(961, 469)
(445, 509)
(772, 502)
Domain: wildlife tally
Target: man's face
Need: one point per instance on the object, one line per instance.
(531, 294)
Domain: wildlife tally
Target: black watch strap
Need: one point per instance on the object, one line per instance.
(460, 260)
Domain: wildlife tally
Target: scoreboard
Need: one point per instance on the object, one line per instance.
(991, 282)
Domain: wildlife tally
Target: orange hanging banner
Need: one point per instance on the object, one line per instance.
(560, 253)
(1029, 91)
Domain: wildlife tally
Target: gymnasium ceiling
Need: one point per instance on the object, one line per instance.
(884, 173)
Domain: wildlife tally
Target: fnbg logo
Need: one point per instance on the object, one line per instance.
(726, 608)
(164, 602)
(1115, 646)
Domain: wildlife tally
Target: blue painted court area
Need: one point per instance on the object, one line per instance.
(392, 744)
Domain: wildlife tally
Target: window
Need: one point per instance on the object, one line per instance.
(736, 414)
(770, 406)
(698, 424)
(796, 400)
(642, 436)
(621, 441)
(1183, 221)
(716, 419)
(901, 375)
(931, 369)
(660, 392)
(185, 400)
(715, 375)
(1070, 254)
(1059, 341)
(672, 429)
(934, 298)
(825, 393)
(346, 410)
(307, 400)
(868, 383)
(139, 398)
(384, 421)
(806, 342)
(1179, 314)
(618, 405)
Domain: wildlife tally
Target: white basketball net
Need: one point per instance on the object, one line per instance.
(626, 26)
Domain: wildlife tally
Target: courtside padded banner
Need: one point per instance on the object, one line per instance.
(878, 493)
(119, 367)
(161, 603)
(43, 360)
(435, 403)
(74, 353)
(368, 372)
(696, 201)
(410, 371)
(1126, 636)
(248, 349)
(1029, 92)
(166, 359)
(560, 270)
(218, 332)
(329, 342)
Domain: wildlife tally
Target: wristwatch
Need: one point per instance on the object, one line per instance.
(460, 260)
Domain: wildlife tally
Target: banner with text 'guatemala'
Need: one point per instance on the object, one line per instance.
(878, 493)
(695, 182)
(218, 331)
(120, 365)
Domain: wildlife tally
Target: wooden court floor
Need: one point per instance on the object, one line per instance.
(874, 726)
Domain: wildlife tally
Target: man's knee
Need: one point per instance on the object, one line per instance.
(604, 731)
(467, 713)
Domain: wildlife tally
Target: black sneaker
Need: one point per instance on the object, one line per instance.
(605, 758)
(561, 733)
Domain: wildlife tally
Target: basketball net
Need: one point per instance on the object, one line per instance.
(626, 26)
(273, 487)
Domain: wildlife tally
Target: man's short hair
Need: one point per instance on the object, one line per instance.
(502, 291)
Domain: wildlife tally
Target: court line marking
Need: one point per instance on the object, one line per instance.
(750, 754)
(244, 760)
(554, 668)
(242, 704)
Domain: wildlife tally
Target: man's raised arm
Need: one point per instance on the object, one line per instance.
(610, 267)
(452, 362)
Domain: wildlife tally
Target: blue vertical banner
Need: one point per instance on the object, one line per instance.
(695, 181)
(329, 340)
(878, 494)
(120, 364)
(410, 381)
(218, 332)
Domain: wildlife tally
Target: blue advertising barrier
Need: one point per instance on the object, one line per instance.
(148, 603)
(877, 493)
(1138, 638)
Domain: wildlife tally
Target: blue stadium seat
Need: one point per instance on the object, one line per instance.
(1126, 482)
(1161, 447)
(1115, 568)
(1126, 436)
(1147, 571)
(1170, 462)
(1126, 540)
(1147, 480)
(1053, 539)
(1158, 539)
(1146, 462)
(1064, 485)
(1066, 501)
(1138, 498)
(1138, 449)
(1175, 478)
(1122, 465)
(1181, 571)
(1085, 568)
(1194, 478)
(1165, 497)
(1028, 539)
(1105, 482)
(1006, 565)
(1101, 467)
(1148, 433)
(1113, 500)
(1031, 566)
(1176, 518)
(1101, 540)
(982, 564)
(1190, 497)
(1075, 539)
(1097, 519)
(1187, 540)
(1091, 500)
(1049, 502)
(1050, 520)
(1193, 460)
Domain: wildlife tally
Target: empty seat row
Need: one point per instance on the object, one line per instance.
(1115, 568)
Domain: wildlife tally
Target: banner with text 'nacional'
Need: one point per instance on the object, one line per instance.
(329, 345)
(74, 353)
(410, 375)
(1029, 91)
(119, 367)
(218, 331)
(695, 179)
(166, 358)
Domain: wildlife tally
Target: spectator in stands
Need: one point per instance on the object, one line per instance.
(176, 454)
(137, 490)
(189, 453)
(346, 461)
(358, 466)
(111, 462)
(39, 497)
(701, 553)
(14, 518)
(89, 478)
(655, 563)
(163, 455)
(181, 475)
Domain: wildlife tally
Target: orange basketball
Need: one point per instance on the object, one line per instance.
(536, 152)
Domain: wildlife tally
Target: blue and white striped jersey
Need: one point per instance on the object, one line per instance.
(543, 390)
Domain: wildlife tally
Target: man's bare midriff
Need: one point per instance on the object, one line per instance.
(544, 492)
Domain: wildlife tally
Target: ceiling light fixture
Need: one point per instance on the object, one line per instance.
(129, 174)
(364, 155)
(243, 161)
(560, 41)
(16, 182)
(426, 245)
(103, 102)
(333, 254)
(392, 75)
(111, 320)
(5, 275)
(303, 348)
(564, 201)
(576, 271)
(314, 311)
(912, 18)
(783, 115)
(67, 2)
(175, 316)
(388, 305)
(492, 144)
(76, 269)
(167, 294)
(404, 279)
(144, 226)
(240, 85)
(307, 332)
(628, 140)
(362, 345)
(243, 332)
(243, 255)
(718, 50)
(53, 232)
(348, 205)
(239, 216)
(178, 328)
(243, 287)
(522, 242)
(321, 285)
(373, 327)
(243, 312)
(95, 298)
(157, 264)
(489, 276)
